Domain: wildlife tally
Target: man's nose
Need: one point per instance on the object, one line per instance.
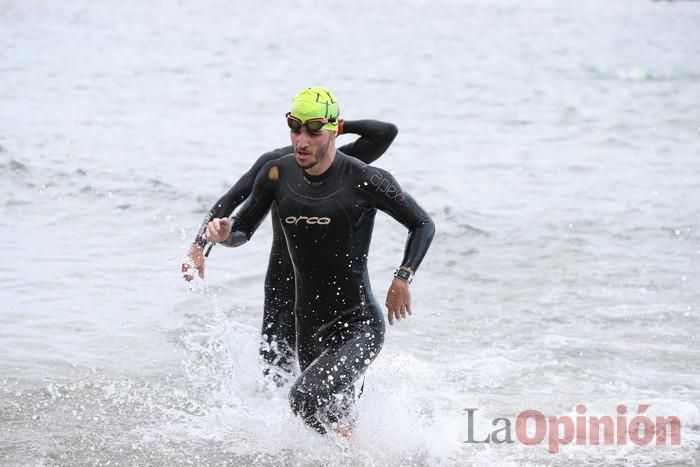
(300, 139)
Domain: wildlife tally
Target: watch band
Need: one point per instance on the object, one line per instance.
(404, 275)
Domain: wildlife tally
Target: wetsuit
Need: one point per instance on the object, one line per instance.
(327, 222)
(278, 328)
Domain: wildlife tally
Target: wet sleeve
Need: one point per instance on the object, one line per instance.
(256, 207)
(384, 192)
(238, 192)
(375, 138)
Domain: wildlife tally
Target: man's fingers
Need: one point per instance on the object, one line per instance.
(201, 271)
(217, 228)
(187, 276)
(398, 311)
(213, 230)
(398, 305)
(211, 227)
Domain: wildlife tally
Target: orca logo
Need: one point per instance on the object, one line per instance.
(308, 220)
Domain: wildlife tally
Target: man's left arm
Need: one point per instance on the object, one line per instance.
(386, 193)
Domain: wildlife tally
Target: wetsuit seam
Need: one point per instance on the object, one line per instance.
(313, 197)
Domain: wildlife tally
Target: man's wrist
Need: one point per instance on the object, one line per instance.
(235, 238)
(404, 274)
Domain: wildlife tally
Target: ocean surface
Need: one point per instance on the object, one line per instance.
(555, 143)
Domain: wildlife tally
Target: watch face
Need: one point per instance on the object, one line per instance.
(403, 274)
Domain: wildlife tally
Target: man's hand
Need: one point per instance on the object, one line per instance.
(218, 230)
(398, 300)
(195, 258)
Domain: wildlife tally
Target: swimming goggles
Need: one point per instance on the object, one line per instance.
(313, 125)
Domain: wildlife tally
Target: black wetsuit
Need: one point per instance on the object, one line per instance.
(278, 328)
(327, 222)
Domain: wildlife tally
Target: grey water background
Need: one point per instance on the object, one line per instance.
(555, 143)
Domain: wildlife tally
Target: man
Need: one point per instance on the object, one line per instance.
(278, 326)
(326, 204)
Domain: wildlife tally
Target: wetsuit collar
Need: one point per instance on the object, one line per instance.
(318, 179)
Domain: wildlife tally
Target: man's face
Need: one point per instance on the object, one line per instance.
(310, 147)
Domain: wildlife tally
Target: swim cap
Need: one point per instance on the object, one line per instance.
(316, 102)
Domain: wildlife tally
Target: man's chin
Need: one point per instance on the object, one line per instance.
(305, 164)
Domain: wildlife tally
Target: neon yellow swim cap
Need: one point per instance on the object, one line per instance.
(316, 102)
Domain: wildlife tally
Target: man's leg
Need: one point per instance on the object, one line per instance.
(324, 392)
(278, 343)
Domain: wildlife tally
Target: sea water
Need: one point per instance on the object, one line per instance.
(555, 144)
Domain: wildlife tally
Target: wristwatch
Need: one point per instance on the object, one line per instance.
(404, 275)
